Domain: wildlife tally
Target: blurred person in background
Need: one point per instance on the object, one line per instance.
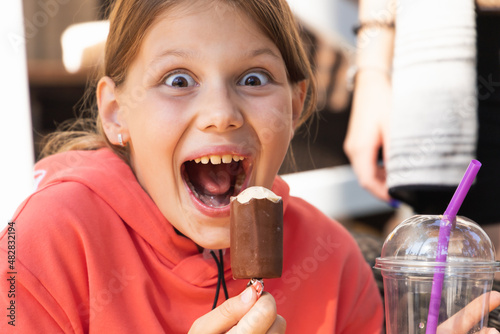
(426, 102)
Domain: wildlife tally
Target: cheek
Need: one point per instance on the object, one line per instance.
(277, 126)
(155, 124)
(154, 136)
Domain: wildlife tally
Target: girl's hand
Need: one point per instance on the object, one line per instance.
(462, 321)
(242, 314)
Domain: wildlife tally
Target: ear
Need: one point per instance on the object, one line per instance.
(110, 113)
(298, 99)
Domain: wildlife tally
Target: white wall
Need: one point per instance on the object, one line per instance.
(336, 192)
(40, 33)
(335, 16)
(16, 143)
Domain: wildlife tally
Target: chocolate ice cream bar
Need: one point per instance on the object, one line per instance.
(256, 234)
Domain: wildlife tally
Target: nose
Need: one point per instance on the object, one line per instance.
(219, 110)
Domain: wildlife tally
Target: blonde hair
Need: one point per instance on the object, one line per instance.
(129, 23)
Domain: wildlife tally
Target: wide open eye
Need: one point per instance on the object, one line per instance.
(254, 79)
(180, 80)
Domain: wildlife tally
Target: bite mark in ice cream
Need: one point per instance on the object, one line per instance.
(256, 234)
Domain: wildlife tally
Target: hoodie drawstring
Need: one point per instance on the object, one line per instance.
(220, 276)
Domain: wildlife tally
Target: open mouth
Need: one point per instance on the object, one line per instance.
(214, 179)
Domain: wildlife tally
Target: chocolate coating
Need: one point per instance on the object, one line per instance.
(257, 238)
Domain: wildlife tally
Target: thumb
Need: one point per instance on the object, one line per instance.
(225, 316)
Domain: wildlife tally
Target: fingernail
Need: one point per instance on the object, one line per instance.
(246, 296)
(258, 285)
(394, 203)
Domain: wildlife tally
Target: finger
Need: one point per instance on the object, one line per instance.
(278, 327)
(228, 314)
(374, 182)
(260, 318)
(494, 300)
(488, 331)
(371, 176)
(463, 320)
(381, 191)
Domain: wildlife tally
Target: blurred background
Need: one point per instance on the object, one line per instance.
(50, 53)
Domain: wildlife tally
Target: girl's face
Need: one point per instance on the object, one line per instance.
(207, 110)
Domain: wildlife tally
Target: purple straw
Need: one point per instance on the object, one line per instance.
(447, 223)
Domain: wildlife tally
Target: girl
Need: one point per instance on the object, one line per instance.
(128, 231)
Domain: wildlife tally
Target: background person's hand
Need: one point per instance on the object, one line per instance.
(244, 313)
(368, 131)
(465, 319)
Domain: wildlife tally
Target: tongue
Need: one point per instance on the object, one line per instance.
(213, 179)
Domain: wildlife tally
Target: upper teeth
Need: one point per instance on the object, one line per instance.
(217, 159)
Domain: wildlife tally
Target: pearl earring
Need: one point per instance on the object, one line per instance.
(120, 139)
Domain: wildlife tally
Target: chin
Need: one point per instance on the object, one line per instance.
(214, 245)
(215, 237)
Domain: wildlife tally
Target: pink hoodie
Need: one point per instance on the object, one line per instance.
(94, 254)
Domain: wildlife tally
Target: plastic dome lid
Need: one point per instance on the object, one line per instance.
(412, 247)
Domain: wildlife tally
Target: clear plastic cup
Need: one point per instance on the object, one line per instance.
(408, 263)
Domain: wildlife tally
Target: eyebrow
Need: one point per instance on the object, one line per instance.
(262, 51)
(180, 53)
